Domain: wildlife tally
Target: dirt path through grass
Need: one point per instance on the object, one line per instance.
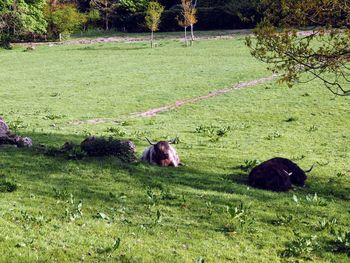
(180, 103)
(133, 38)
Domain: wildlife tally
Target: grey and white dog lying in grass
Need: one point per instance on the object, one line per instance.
(161, 153)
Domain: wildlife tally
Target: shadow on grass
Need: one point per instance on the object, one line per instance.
(95, 178)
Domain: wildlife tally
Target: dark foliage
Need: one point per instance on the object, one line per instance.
(94, 147)
(211, 15)
(109, 147)
(209, 18)
(7, 186)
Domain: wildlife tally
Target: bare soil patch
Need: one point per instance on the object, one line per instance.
(227, 34)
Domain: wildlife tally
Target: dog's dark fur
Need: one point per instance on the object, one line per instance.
(277, 174)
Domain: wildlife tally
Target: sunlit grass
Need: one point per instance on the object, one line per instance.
(68, 210)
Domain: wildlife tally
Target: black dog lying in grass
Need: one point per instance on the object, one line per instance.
(277, 174)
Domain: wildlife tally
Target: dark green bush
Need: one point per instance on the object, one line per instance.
(7, 186)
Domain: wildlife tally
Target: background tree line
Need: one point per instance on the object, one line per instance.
(25, 20)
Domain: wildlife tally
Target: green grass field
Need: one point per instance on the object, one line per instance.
(79, 210)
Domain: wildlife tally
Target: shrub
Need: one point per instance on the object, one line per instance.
(301, 246)
(249, 165)
(124, 150)
(327, 224)
(273, 135)
(93, 17)
(65, 19)
(213, 132)
(282, 219)
(116, 131)
(7, 186)
(313, 128)
(291, 119)
(240, 218)
(341, 243)
(315, 200)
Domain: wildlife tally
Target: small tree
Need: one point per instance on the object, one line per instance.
(322, 52)
(193, 18)
(106, 7)
(93, 16)
(66, 19)
(153, 14)
(188, 18)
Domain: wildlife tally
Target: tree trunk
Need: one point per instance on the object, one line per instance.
(106, 18)
(152, 39)
(106, 14)
(192, 35)
(60, 37)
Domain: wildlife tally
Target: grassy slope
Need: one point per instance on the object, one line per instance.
(112, 80)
